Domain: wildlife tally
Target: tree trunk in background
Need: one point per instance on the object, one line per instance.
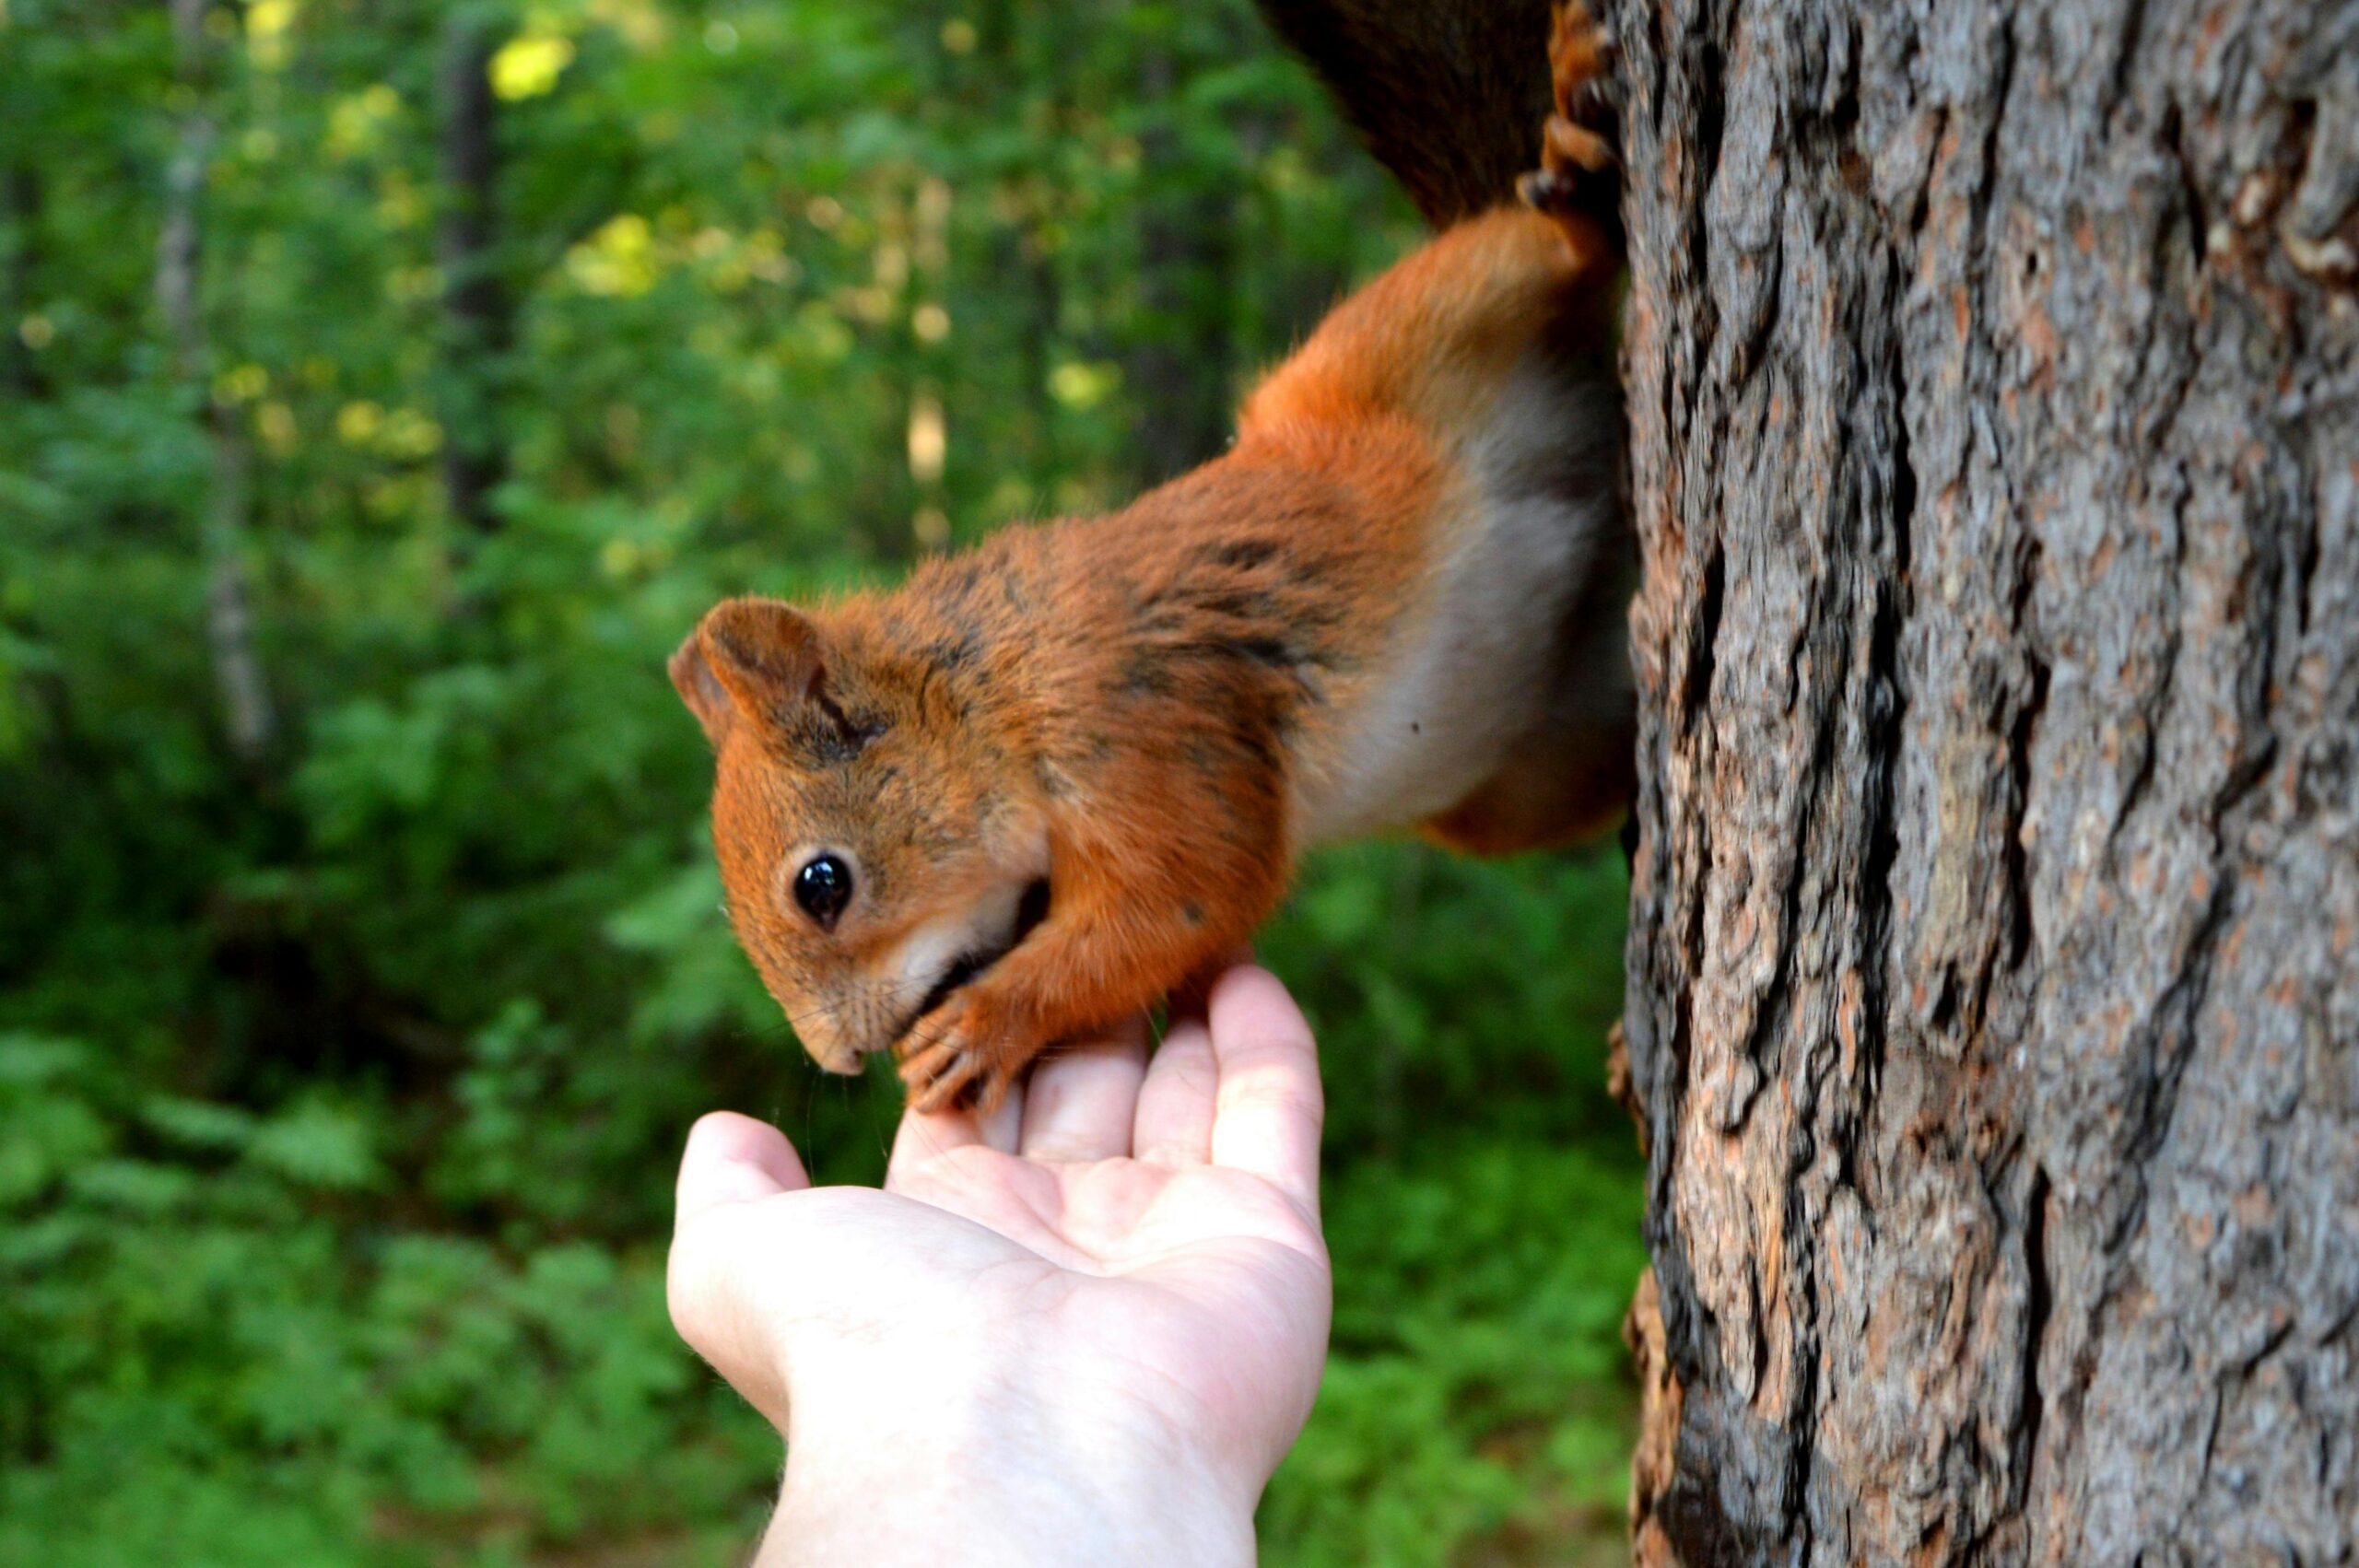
(478, 315)
(228, 615)
(22, 194)
(1179, 373)
(1993, 378)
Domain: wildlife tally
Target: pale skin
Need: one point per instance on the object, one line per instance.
(1083, 1330)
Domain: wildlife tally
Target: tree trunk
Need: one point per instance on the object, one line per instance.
(247, 716)
(1993, 1019)
(24, 200)
(479, 325)
(1180, 371)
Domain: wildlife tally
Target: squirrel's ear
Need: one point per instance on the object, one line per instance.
(747, 657)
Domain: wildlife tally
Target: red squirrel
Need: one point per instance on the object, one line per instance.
(1050, 778)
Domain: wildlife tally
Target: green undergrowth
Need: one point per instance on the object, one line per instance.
(230, 1335)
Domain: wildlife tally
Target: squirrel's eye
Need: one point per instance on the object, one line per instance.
(823, 887)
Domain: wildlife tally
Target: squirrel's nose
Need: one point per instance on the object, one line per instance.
(843, 1060)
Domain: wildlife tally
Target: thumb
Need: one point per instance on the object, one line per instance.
(731, 1163)
(733, 1159)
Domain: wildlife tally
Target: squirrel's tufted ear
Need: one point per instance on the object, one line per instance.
(746, 658)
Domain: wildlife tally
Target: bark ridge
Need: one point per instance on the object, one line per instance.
(1993, 385)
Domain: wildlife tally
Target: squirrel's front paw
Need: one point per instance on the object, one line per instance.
(964, 1052)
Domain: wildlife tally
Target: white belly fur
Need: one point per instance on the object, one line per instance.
(1470, 678)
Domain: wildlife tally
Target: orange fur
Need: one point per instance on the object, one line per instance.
(1127, 713)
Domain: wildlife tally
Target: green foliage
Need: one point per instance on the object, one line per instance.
(1473, 1388)
(224, 1349)
(340, 1085)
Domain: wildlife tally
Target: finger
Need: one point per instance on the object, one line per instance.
(1192, 995)
(1268, 1108)
(733, 1159)
(924, 1135)
(1174, 1125)
(928, 1136)
(1001, 1124)
(1078, 1103)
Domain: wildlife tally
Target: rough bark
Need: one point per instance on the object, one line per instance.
(1993, 385)
(247, 715)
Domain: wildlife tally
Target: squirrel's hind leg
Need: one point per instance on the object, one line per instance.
(1570, 780)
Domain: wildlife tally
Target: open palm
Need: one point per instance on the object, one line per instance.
(1132, 1245)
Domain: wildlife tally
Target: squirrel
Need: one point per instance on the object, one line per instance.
(1057, 777)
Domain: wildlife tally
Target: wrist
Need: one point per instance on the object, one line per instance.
(1023, 1465)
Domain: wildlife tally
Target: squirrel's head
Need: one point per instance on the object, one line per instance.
(877, 848)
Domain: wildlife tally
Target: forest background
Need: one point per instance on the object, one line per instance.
(385, 386)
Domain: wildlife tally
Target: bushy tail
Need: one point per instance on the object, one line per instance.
(1451, 97)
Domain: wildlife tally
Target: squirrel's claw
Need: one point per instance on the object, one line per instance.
(938, 1074)
(955, 1066)
(1581, 55)
(1579, 175)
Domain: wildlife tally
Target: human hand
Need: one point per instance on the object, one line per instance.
(1084, 1331)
